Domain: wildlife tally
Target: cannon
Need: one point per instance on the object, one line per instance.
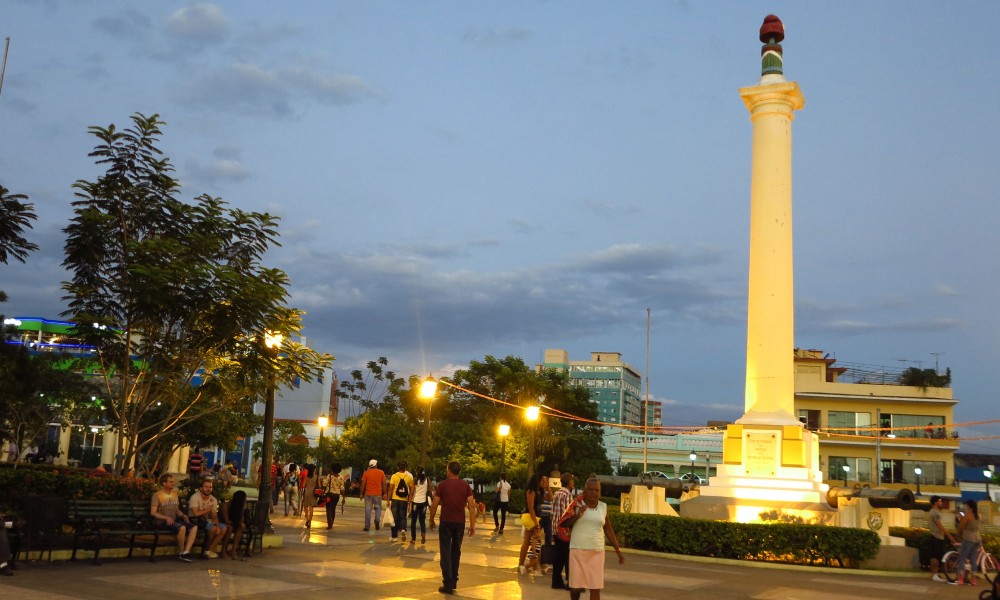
(877, 497)
(613, 485)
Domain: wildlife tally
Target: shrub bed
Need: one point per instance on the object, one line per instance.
(774, 542)
(69, 482)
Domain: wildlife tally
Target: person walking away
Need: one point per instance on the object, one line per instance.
(290, 488)
(398, 495)
(530, 518)
(501, 504)
(165, 508)
(453, 495)
(204, 507)
(373, 487)
(6, 560)
(938, 545)
(309, 498)
(560, 502)
(968, 532)
(418, 506)
(333, 486)
(586, 545)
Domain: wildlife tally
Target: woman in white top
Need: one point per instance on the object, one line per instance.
(418, 506)
(586, 543)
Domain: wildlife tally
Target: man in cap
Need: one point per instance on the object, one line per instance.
(373, 488)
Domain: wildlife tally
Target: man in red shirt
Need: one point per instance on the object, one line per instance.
(373, 488)
(453, 495)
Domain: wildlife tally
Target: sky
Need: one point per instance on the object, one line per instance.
(463, 179)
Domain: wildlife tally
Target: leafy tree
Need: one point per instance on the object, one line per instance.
(925, 378)
(566, 436)
(368, 388)
(36, 391)
(382, 432)
(15, 216)
(169, 291)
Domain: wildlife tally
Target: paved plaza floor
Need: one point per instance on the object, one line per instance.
(348, 563)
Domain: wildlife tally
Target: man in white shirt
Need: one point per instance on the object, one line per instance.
(205, 508)
(501, 501)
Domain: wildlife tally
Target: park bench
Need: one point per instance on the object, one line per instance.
(99, 524)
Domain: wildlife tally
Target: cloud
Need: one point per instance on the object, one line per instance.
(942, 289)
(199, 24)
(125, 24)
(411, 298)
(494, 38)
(253, 89)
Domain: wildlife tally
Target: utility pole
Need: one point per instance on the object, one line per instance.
(3, 67)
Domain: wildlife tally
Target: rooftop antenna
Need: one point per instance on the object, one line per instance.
(936, 355)
(3, 68)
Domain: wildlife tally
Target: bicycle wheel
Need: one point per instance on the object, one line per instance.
(988, 565)
(949, 565)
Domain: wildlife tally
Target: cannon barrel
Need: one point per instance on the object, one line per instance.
(877, 497)
(613, 485)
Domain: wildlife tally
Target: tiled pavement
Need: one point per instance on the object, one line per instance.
(347, 563)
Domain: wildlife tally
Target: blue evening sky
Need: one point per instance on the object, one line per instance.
(457, 179)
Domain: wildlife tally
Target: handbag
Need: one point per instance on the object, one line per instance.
(563, 532)
(548, 554)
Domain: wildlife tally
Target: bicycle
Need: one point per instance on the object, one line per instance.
(988, 565)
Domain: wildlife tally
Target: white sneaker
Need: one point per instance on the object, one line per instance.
(937, 577)
(392, 539)
(211, 554)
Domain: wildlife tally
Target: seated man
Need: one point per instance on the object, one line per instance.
(165, 507)
(204, 507)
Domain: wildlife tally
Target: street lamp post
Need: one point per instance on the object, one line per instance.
(988, 474)
(272, 341)
(427, 390)
(708, 466)
(847, 473)
(504, 431)
(531, 414)
(322, 421)
(693, 456)
(918, 472)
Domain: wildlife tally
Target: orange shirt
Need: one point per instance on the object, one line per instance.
(373, 482)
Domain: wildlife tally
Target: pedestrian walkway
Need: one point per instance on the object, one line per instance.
(348, 563)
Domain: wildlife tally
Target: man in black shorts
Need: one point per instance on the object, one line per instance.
(938, 545)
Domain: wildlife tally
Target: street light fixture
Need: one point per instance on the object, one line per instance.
(272, 341)
(988, 474)
(918, 472)
(504, 431)
(693, 456)
(322, 421)
(531, 415)
(428, 388)
(847, 473)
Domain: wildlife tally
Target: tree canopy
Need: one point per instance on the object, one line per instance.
(173, 294)
(464, 425)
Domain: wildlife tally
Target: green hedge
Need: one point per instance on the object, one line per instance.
(775, 542)
(920, 539)
(41, 480)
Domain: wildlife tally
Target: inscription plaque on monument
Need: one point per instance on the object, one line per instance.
(762, 454)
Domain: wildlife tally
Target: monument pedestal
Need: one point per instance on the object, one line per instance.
(768, 473)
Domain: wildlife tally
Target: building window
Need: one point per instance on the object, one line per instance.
(861, 469)
(850, 423)
(901, 471)
(809, 418)
(913, 426)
